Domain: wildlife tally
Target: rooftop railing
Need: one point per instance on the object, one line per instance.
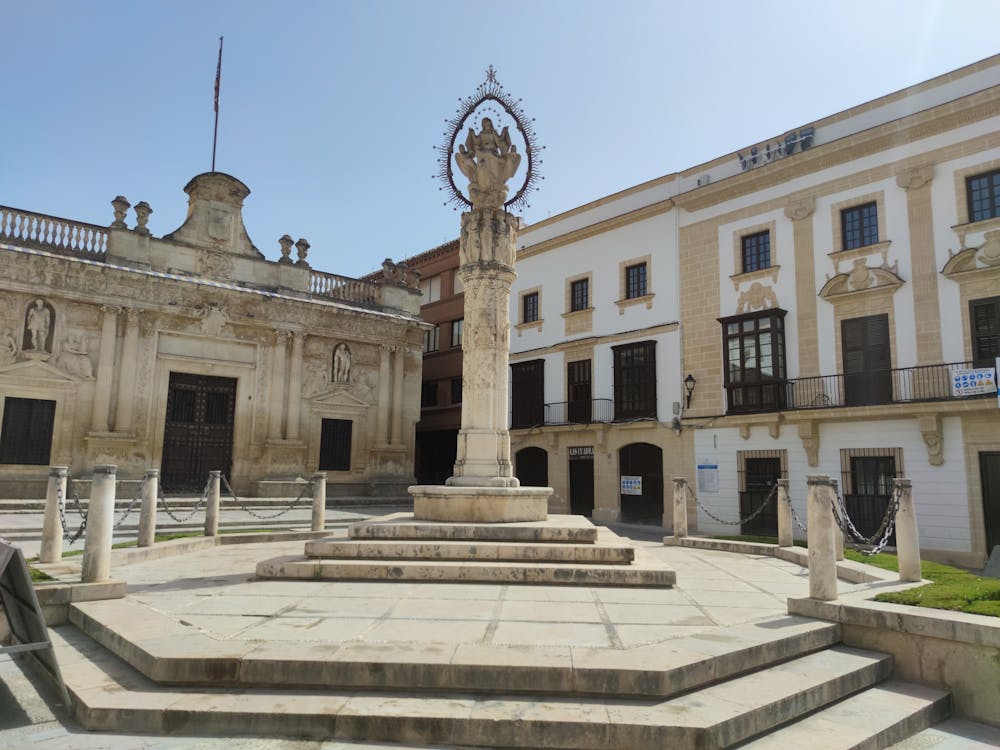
(51, 233)
(343, 288)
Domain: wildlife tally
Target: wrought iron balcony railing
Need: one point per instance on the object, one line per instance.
(581, 411)
(896, 386)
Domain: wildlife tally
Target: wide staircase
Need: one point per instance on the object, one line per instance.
(784, 682)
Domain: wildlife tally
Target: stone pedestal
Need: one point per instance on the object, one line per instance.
(480, 504)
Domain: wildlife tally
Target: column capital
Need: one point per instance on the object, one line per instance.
(798, 209)
(281, 336)
(915, 177)
(111, 310)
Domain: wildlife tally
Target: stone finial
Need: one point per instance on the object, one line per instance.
(121, 205)
(302, 248)
(412, 278)
(286, 248)
(142, 212)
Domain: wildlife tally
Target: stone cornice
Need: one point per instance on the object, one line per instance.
(595, 340)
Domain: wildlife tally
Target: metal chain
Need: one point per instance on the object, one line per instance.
(749, 518)
(855, 537)
(189, 516)
(131, 505)
(798, 521)
(61, 504)
(265, 516)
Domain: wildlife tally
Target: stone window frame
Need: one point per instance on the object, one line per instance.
(771, 271)
(522, 324)
(877, 301)
(836, 209)
(579, 321)
(572, 285)
(646, 299)
(962, 199)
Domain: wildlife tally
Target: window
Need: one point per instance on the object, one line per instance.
(867, 357)
(529, 308)
(431, 339)
(635, 281)
(756, 251)
(456, 390)
(578, 390)
(527, 381)
(335, 445)
(579, 295)
(431, 289)
(456, 332)
(984, 322)
(859, 225)
(867, 480)
(429, 393)
(26, 436)
(754, 349)
(983, 192)
(635, 380)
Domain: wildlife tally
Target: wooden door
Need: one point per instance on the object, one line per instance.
(198, 436)
(867, 360)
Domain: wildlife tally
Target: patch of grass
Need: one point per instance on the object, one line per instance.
(37, 575)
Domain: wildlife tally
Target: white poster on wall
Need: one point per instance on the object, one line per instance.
(708, 477)
(631, 485)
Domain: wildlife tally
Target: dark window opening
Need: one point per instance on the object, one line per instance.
(635, 281)
(579, 295)
(527, 381)
(26, 436)
(859, 226)
(529, 308)
(867, 360)
(756, 251)
(429, 393)
(335, 445)
(984, 320)
(635, 380)
(578, 387)
(456, 390)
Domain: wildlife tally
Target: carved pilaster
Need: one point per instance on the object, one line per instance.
(278, 369)
(105, 368)
(295, 386)
(129, 368)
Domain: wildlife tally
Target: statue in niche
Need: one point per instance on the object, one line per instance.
(73, 359)
(488, 159)
(8, 347)
(38, 327)
(341, 364)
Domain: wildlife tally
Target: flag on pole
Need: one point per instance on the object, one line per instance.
(218, 77)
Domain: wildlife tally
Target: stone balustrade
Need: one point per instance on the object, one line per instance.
(343, 288)
(54, 234)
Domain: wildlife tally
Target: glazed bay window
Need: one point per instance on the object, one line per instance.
(754, 349)
(756, 251)
(983, 193)
(635, 380)
(984, 322)
(529, 308)
(527, 381)
(859, 226)
(579, 292)
(635, 281)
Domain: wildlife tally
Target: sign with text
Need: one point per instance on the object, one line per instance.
(631, 485)
(973, 382)
(708, 477)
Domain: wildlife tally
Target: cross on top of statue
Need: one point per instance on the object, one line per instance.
(503, 149)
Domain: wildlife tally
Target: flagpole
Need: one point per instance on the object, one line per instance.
(218, 81)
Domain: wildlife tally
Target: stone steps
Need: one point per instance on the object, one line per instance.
(108, 694)
(169, 653)
(557, 529)
(459, 550)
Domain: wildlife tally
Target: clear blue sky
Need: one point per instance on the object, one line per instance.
(331, 109)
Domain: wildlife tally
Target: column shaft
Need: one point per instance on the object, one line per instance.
(126, 378)
(277, 385)
(294, 408)
(105, 369)
(396, 436)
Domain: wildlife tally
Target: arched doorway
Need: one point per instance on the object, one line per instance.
(641, 467)
(531, 466)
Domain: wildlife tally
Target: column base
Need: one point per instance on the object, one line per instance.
(480, 504)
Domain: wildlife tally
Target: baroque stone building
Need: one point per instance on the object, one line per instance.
(194, 352)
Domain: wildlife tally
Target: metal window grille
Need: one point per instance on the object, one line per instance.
(335, 445)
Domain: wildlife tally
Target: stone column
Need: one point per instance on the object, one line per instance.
(319, 501)
(277, 399)
(105, 368)
(486, 252)
(52, 530)
(907, 536)
(128, 371)
(96, 565)
(294, 408)
(924, 267)
(800, 211)
(212, 503)
(680, 507)
(383, 409)
(147, 516)
(398, 363)
(784, 515)
(822, 562)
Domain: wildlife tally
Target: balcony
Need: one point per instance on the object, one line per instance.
(897, 386)
(582, 411)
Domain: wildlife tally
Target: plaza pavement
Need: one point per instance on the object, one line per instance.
(215, 592)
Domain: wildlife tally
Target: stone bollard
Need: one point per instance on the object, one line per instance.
(52, 530)
(907, 537)
(819, 525)
(680, 507)
(212, 504)
(96, 564)
(319, 501)
(147, 515)
(784, 515)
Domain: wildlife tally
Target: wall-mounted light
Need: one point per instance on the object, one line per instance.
(689, 383)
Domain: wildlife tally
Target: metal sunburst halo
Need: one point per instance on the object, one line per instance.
(488, 90)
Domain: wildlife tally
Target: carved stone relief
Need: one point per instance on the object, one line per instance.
(756, 297)
(213, 320)
(39, 325)
(931, 432)
(8, 347)
(341, 363)
(73, 358)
